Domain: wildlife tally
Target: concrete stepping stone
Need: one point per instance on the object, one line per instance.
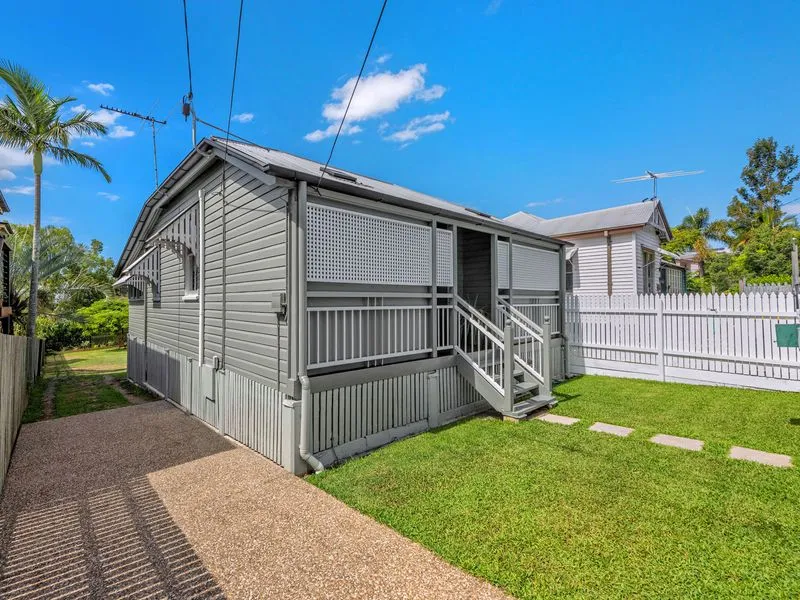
(678, 442)
(765, 458)
(557, 419)
(611, 429)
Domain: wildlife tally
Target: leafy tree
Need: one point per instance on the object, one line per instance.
(107, 317)
(33, 121)
(71, 275)
(769, 176)
(695, 233)
(768, 252)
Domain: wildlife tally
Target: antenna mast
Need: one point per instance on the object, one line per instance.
(655, 177)
(149, 119)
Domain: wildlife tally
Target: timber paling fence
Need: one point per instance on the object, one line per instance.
(16, 363)
(718, 339)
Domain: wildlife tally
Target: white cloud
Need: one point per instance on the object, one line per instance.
(88, 144)
(103, 116)
(243, 117)
(103, 89)
(493, 7)
(377, 95)
(383, 58)
(56, 220)
(19, 190)
(7, 175)
(120, 131)
(419, 126)
(330, 131)
(544, 203)
(109, 197)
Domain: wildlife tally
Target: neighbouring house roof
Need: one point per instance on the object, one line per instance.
(5, 229)
(3, 204)
(289, 166)
(691, 256)
(616, 217)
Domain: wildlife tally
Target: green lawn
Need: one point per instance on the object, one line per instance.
(549, 511)
(85, 381)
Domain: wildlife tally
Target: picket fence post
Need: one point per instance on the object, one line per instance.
(660, 336)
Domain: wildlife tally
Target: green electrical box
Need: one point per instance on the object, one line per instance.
(787, 336)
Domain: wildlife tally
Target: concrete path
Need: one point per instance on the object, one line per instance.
(146, 502)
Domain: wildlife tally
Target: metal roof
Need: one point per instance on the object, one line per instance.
(289, 166)
(3, 204)
(285, 164)
(616, 217)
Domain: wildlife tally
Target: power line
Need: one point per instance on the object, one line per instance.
(226, 132)
(235, 69)
(188, 53)
(353, 93)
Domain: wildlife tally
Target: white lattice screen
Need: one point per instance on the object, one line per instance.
(345, 246)
(535, 269)
(444, 258)
(502, 265)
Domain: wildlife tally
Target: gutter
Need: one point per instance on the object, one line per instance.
(302, 323)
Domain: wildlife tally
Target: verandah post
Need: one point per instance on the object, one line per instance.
(546, 366)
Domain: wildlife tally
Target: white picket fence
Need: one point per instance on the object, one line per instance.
(726, 339)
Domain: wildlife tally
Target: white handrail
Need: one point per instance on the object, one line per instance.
(519, 316)
(478, 344)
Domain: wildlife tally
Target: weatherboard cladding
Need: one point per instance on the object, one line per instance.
(646, 238)
(255, 340)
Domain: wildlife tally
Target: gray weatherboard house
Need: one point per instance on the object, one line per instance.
(315, 324)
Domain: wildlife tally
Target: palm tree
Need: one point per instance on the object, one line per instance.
(33, 121)
(702, 230)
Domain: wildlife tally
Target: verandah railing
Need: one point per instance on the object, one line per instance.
(343, 335)
(531, 342)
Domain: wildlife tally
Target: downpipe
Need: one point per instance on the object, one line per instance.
(305, 426)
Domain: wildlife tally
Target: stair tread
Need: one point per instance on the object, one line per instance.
(526, 407)
(524, 387)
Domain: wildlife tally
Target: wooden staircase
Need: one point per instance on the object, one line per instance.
(509, 367)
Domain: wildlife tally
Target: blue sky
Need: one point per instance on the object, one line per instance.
(499, 105)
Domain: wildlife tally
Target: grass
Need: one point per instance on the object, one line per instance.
(85, 381)
(721, 416)
(546, 511)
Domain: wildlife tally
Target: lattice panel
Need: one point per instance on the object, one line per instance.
(535, 269)
(183, 231)
(344, 246)
(444, 258)
(502, 265)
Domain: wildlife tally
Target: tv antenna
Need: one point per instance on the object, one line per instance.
(655, 177)
(149, 119)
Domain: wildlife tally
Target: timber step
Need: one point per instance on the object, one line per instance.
(525, 407)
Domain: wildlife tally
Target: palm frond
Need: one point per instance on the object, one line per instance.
(14, 130)
(79, 125)
(29, 90)
(72, 157)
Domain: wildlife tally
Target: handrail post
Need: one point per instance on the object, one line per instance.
(508, 374)
(547, 387)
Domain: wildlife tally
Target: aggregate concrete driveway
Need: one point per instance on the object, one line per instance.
(146, 502)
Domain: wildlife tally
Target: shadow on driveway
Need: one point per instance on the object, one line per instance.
(79, 518)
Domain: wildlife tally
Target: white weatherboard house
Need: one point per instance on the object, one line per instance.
(313, 323)
(616, 250)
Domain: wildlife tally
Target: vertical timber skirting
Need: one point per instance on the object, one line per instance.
(252, 414)
(353, 419)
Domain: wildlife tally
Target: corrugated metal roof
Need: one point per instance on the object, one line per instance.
(312, 169)
(3, 204)
(628, 215)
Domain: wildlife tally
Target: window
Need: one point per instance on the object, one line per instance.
(648, 271)
(569, 277)
(134, 294)
(191, 277)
